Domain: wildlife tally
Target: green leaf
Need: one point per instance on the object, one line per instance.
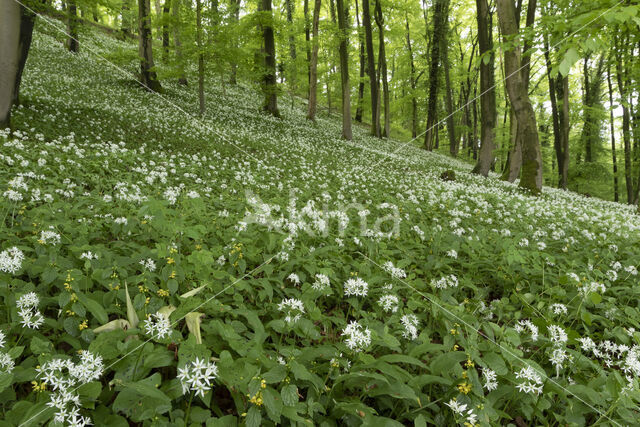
(272, 403)
(94, 308)
(254, 417)
(570, 58)
(289, 395)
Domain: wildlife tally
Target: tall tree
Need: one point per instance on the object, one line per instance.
(177, 26)
(363, 67)
(307, 38)
(616, 197)
(623, 77)
(382, 69)
(72, 27)
(148, 76)
(531, 174)
(373, 82)
(269, 82)
(234, 6)
(592, 108)
(412, 81)
(292, 45)
(200, 56)
(343, 23)
(313, 82)
(448, 99)
(487, 89)
(440, 17)
(166, 9)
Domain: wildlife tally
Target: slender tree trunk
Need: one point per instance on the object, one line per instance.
(531, 177)
(234, 5)
(177, 43)
(382, 58)
(313, 84)
(10, 18)
(307, 37)
(270, 84)
(72, 27)
(622, 74)
(373, 81)
(590, 136)
(613, 136)
(166, 9)
(148, 75)
(412, 81)
(487, 89)
(125, 24)
(343, 23)
(363, 67)
(293, 71)
(200, 56)
(440, 17)
(448, 99)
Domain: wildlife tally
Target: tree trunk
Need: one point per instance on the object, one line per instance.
(166, 9)
(590, 136)
(623, 74)
(307, 37)
(200, 56)
(375, 105)
(613, 136)
(270, 84)
(293, 71)
(448, 99)
(412, 80)
(177, 43)
(440, 17)
(531, 176)
(363, 67)
(10, 19)
(487, 89)
(234, 5)
(382, 58)
(343, 23)
(148, 76)
(72, 27)
(313, 83)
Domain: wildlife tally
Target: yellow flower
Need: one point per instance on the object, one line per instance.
(464, 388)
(198, 247)
(83, 325)
(38, 387)
(172, 275)
(469, 363)
(163, 293)
(170, 260)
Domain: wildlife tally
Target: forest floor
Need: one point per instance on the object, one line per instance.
(331, 281)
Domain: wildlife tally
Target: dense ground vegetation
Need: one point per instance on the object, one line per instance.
(164, 269)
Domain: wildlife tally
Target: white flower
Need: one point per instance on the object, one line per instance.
(321, 283)
(522, 324)
(450, 281)
(357, 337)
(389, 303)
(197, 376)
(558, 308)
(396, 273)
(410, 323)
(28, 310)
(356, 287)
(293, 277)
(49, 236)
(490, 379)
(558, 335)
(456, 407)
(121, 220)
(452, 254)
(294, 309)
(557, 359)
(88, 255)
(157, 326)
(148, 264)
(532, 382)
(11, 260)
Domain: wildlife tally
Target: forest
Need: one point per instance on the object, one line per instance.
(319, 212)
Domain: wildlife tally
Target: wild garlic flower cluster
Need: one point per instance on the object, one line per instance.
(28, 310)
(63, 376)
(450, 281)
(6, 363)
(197, 376)
(527, 324)
(395, 272)
(389, 303)
(358, 338)
(321, 283)
(48, 237)
(356, 287)
(462, 410)
(558, 336)
(11, 260)
(293, 308)
(558, 309)
(157, 326)
(490, 379)
(531, 381)
(410, 323)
